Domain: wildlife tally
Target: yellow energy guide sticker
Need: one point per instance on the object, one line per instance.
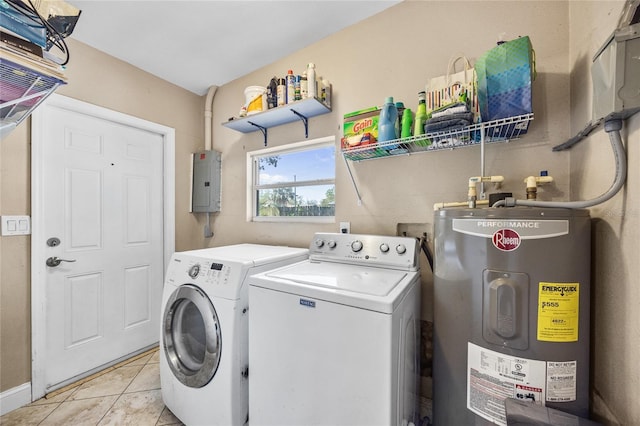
(558, 305)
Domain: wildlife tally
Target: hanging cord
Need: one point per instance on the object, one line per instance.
(425, 248)
(612, 127)
(53, 36)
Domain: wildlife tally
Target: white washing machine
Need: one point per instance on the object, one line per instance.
(203, 338)
(333, 340)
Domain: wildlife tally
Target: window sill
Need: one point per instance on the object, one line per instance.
(294, 219)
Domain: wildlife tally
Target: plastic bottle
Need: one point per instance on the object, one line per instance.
(281, 92)
(325, 94)
(272, 93)
(407, 123)
(312, 91)
(400, 108)
(388, 123)
(421, 114)
(291, 87)
(297, 95)
(304, 94)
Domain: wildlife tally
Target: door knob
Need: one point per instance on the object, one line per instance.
(55, 261)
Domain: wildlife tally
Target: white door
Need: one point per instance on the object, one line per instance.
(101, 195)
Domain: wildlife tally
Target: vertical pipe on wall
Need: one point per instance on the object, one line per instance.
(208, 118)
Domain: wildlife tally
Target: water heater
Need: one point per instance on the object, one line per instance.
(511, 312)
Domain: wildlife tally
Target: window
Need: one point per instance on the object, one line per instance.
(295, 182)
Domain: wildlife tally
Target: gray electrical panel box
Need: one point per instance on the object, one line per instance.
(205, 183)
(616, 73)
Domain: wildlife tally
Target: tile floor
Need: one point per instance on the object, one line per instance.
(127, 395)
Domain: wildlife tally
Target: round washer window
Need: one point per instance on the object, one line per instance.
(192, 338)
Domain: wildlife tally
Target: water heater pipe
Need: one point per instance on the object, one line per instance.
(612, 127)
(438, 206)
(532, 185)
(472, 195)
(208, 118)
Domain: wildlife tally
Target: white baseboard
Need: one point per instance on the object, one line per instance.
(15, 398)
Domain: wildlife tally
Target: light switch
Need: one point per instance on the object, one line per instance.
(16, 225)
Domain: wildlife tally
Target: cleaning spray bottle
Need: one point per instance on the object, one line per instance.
(421, 118)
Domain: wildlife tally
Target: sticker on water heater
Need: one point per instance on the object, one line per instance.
(558, 312)
(493, 376)
(506, 239)
(561, 381)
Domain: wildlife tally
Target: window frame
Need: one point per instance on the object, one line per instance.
(253, 173)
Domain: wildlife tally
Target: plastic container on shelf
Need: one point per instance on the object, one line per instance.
(255, 99)
(291, 87)
(325, 95)
(388, 124)
(281, 92)
(303, 86)
(312, 89)
(297, 95)
(407, 123)
(421, 118)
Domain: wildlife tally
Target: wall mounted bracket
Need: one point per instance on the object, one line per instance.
(305, 120)
(262, 129)
(302, 110)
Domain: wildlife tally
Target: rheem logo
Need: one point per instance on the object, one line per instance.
(506, 239)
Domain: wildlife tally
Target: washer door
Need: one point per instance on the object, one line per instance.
(192, 339)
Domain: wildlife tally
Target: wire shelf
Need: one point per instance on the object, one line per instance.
(21, 90)
(501, 130)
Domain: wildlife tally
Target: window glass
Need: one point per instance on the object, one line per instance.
(293, 182)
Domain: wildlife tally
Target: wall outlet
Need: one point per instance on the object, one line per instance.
(345, 227)
(16, 225)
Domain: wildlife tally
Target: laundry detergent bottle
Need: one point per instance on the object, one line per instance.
(388, 127)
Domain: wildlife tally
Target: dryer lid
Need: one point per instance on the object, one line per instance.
(248, 254)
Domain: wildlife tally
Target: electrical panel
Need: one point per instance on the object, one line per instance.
(616, 73)
(205, 182)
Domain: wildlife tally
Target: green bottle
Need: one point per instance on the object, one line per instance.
(407, 123)
(421, 114)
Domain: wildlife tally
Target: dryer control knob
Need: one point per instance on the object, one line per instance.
(356, 245)
(331, 244)
(319, 243)
(194, 270)
(401, 249)
(384, 247)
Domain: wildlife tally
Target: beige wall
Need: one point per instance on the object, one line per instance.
(101, 80)
(391, 54)
(394, 54)
(616, 227)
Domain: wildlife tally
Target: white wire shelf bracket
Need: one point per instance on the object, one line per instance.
(501, 130)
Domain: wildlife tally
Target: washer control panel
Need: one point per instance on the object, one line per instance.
(377, 250)
(205, 271)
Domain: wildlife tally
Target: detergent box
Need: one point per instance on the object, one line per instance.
(360, 127)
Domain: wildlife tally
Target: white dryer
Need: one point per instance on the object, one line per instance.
(333, 340)
(203, 338)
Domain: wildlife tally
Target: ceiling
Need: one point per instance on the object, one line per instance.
(197, 44)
